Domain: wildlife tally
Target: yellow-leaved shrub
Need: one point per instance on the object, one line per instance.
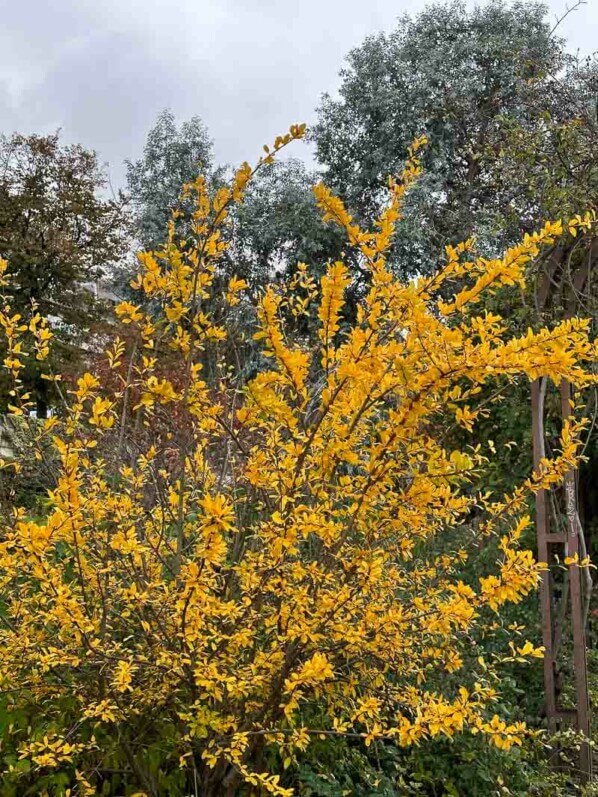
(227, 568)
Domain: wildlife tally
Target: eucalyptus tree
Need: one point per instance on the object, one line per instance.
(479, 82)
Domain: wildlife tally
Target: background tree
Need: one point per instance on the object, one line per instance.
(172, 156)
(278, 225)
(59, 232)
(466, 78)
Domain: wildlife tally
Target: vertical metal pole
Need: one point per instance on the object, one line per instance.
(579, 633)
(543, 529)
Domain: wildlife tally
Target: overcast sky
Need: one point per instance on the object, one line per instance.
(103, 69)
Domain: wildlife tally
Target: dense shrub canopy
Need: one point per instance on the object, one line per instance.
(225, 571)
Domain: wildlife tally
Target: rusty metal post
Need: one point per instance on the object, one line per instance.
(543, 530)
(577, 619)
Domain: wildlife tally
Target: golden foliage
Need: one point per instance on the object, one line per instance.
(226, 556)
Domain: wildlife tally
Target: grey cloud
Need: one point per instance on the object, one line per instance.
(102, 71)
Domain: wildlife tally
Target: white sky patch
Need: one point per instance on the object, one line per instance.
(103, 70)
